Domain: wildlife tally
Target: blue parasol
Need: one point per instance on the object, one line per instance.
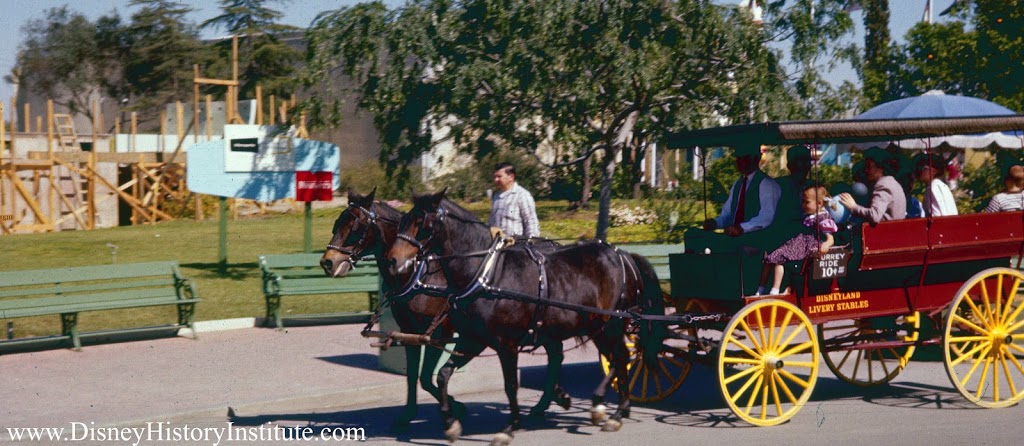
(936, 104)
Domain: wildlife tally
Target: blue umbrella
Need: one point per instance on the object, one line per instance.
(936, 104)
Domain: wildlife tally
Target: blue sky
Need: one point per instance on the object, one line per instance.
(904, 13)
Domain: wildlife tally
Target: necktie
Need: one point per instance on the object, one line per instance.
(741, 201)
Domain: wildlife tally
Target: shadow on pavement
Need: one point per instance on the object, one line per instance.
(364, 361)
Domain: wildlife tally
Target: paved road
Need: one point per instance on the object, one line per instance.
(324, 380)
(920, 408)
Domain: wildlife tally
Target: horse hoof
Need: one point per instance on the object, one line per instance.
(454, 432)
(501, 439)
(403, 419)
(598, 414)
(611, 426)
(458, 410)
(564, 402)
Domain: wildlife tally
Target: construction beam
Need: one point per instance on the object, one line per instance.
(29, 199)
(221, 82)
(102, 157)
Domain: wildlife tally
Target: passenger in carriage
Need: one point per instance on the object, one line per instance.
(817, 224)
(906, 178)
(1012, 198)
(929, 169)
(888, 202)
(789, 212)
(749, 209)
(752, 199)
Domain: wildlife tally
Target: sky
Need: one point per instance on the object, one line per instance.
(16, 13)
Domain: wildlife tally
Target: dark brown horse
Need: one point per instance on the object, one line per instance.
(591, 290)
(367, 228)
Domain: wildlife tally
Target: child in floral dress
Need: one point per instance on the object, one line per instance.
(816, 224)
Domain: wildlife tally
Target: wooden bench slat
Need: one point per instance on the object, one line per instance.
(95, 306)
(73, 289)
(83, 299)
(85, 273)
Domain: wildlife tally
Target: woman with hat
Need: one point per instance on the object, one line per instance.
(938, 200)
(888, 202)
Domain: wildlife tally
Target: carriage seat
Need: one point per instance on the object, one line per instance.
(955, 238)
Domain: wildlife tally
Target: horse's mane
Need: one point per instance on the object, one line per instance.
(458, 211)
(387, 212)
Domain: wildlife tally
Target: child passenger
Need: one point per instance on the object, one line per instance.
(1011, 199)
(817, 223)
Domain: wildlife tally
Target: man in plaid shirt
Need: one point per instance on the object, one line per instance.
(512, 207)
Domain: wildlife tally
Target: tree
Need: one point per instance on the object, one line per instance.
(877, 52)
(979, 52)
(160, 48)
(265, 59)
(812, 31)
(583, 79)
(68, 58)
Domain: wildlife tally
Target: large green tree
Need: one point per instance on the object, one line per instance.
(978, 51)
(160, 47)
(264, 57)
(69, 58)
(878, 57)
(581, 79)
(808, 37)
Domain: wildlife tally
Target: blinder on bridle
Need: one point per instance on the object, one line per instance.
(353, 247)
(425, 233)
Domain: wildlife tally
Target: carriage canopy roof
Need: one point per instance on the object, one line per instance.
(845, 131)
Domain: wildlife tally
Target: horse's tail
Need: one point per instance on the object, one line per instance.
(652, 333)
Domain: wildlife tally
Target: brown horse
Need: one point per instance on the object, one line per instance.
(367, 228)
(516, 294)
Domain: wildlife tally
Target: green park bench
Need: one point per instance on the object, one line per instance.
(657, 255)
(300, 274)
(69, 291)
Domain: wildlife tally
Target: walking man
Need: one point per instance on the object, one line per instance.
(512, 207)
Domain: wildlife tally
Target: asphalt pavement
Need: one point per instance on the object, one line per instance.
(248, 377)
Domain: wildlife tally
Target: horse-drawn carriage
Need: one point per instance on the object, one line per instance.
(887, 290)
(864, 307)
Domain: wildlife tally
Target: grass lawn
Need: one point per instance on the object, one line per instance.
(194, 245)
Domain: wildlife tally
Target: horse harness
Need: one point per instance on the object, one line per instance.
(371, 222)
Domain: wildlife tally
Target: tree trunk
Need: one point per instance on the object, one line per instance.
(586, 190)
(636, 169)
(609, 171)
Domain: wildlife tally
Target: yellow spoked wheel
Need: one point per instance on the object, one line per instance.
(984, 339)
(768, 362)
(649, 384)
(854, 349)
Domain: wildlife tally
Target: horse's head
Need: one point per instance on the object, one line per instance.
(355, 233)
(419, 232)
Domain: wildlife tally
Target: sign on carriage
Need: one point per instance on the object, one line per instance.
(831, 265)
(264, 164)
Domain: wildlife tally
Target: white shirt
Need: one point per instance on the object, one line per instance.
(768, 194)
(939, 199)
(515, 212)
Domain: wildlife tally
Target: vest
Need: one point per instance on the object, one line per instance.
(752, 202)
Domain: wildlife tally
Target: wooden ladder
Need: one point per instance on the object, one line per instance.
(71, 184)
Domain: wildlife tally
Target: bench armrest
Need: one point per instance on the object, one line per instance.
(185, 287)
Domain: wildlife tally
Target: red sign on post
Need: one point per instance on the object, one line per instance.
(313, 186)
